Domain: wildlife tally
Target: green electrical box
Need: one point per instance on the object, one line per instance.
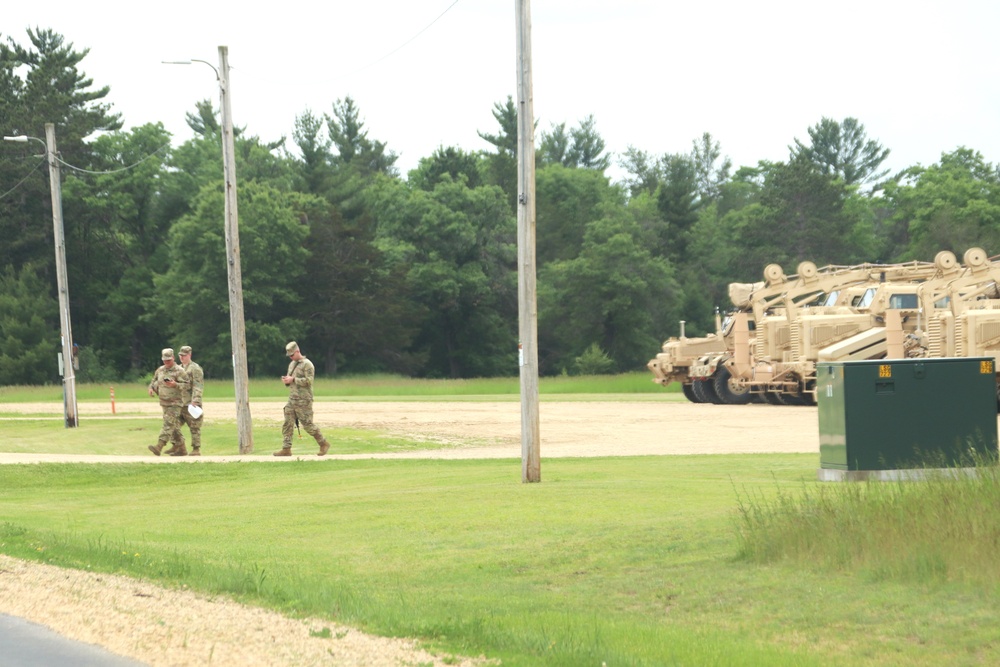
(897, 414)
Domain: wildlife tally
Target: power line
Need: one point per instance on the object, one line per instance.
(112, 171)
(21, 182)
(82, 170)
(401, 46)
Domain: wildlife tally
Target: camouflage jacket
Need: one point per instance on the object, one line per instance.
(191, 392)
(170, 396)
(300, 391)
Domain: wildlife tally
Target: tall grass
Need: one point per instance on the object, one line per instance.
(942, 527)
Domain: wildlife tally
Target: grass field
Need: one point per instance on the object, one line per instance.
(628, 386)
(617, 561)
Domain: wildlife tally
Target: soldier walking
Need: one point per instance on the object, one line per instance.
(298, 410)
(191, 395)
(167, 382)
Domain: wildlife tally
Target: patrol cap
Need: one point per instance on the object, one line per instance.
(291, 348)
(185, 349)
(168, 353)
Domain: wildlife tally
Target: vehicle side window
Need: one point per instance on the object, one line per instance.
(903, 301)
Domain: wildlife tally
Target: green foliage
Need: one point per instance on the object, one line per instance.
(952, 205)
(190, 305)
(501, 169)
(567, 200)
(448, 163)
(456, 246)
(28, 346)
(801, 214)
(711, 169)
(581, 147)
(594, 361)
(678, 205)
(843, 151)
(354, 148)
(615, 293)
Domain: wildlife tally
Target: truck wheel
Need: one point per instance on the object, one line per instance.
(704, 391)
(772, 398)
(727, 391)
(688, 389)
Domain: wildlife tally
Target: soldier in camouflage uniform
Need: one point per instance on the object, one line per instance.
(299, 411)
(191, 394)
(167, 383)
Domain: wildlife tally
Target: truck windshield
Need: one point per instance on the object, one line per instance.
(866, 299)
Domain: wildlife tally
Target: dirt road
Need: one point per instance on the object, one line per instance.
(572, 428)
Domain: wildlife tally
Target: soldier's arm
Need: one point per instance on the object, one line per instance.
(197, 385)
(308, 373)
(305, 378)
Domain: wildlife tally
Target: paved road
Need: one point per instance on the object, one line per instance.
(26, 644)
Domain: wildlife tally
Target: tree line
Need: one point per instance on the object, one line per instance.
(374, 272)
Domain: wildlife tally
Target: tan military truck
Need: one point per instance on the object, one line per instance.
(955, 318)
(704, 365)
(679, 355)
(782, 361)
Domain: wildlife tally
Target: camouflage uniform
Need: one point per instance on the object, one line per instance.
(299, 406)
(171, 400)
(191, 394)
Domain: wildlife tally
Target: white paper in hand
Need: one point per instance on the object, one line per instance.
(195, 411)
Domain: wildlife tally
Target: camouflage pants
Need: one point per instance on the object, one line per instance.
(171, 431)
(304, 413)
(193, 424)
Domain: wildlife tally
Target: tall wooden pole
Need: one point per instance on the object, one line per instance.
(65, 325)
(527, 305)
(237, 326)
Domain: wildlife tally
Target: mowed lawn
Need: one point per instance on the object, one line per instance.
(607, 561)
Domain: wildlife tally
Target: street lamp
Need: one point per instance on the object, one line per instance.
(237, 326)
(66, 329)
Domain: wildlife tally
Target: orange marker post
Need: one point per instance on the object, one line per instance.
(112, 400)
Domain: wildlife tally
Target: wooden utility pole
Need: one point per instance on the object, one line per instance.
(65, 326)
(527, 305)
(237, 326)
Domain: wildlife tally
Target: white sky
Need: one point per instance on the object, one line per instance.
(921, 75)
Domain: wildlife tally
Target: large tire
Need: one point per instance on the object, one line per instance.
(704, 391)
(688, 389)
(726, 391)
(772, 398)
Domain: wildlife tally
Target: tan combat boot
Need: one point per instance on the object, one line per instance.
(324, 447)
(173, 448)
(157, 448)
(284, 451)
(195, 451)
(182, 451)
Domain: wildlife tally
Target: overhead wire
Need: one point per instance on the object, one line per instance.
(26, 176)
(401, 46)
(112, 171)
(82, 170)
